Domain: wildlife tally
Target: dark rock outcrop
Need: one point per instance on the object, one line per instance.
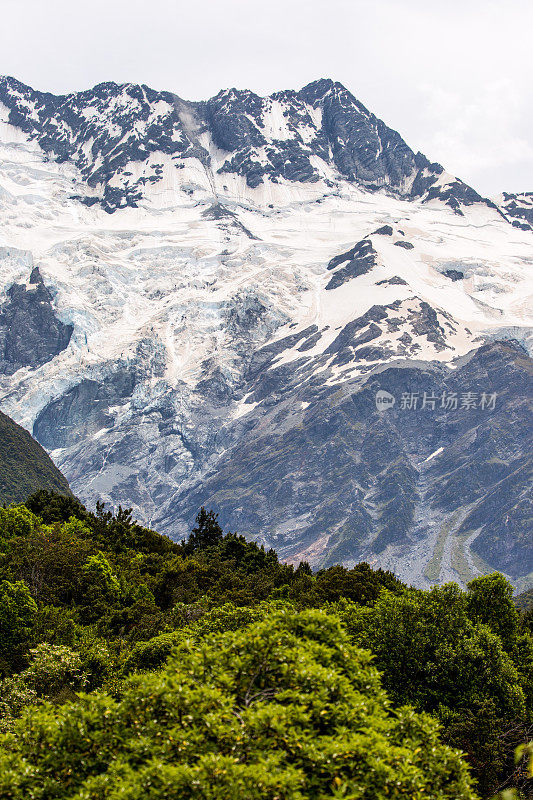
(454, 274)
(30, 332)
(357, 261)
(520, 208)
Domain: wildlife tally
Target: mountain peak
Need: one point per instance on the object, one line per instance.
(319, 135)
(277, 272)
(322, 86)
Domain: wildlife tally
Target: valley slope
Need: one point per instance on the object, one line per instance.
(25, 467)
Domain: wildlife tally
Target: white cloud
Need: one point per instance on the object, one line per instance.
(473, 136)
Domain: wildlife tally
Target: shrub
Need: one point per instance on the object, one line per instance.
(17, 616)
(286, 709)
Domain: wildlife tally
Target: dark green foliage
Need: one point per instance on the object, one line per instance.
(153, 653)
(24, 466)
(17, 616)
(360, 584)
(52, 507)
(433, 653)
(286, 710)
(50, 560)
(490, 601)
(460, 656)
(524, 601)
(108, 598)
(206, 532)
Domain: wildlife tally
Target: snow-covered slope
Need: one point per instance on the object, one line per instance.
(201, 301)
(518, 208)
(131, 143)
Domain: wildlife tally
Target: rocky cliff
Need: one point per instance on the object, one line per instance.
(272, 306)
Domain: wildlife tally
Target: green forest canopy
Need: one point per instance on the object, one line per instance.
(135, 665)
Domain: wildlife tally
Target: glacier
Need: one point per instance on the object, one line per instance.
(240, 277)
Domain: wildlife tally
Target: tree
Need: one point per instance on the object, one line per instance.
(17, 521)
(436, 657)
(206, 532)
(360, 584)
(490, 601)
(52, 507)
(18, 610)
(50, 561)
(101, 589)
(99, 576)
(287, 709)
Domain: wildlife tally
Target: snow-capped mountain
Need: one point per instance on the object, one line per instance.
(518, 208)
(273, 307)
(124, 139)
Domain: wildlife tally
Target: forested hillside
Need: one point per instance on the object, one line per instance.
(133, 666)
(25, 466)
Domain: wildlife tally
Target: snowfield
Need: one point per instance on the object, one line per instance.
(181, 291)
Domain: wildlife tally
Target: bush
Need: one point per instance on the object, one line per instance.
(52, 669)
(437, 651)
(17, 616)
(286, 709)
(153, 653)
(54, 672)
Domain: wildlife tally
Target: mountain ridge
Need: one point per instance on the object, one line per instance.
(347, 137)
(215, 342)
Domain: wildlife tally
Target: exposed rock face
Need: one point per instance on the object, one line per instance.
(114, 132)
(324, 475)
(30, 332)
(454, 274)
(81, 411)
(273, 264)
(357, 261)
(519, 207)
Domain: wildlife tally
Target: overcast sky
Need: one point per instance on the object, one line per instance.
(453, 77)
